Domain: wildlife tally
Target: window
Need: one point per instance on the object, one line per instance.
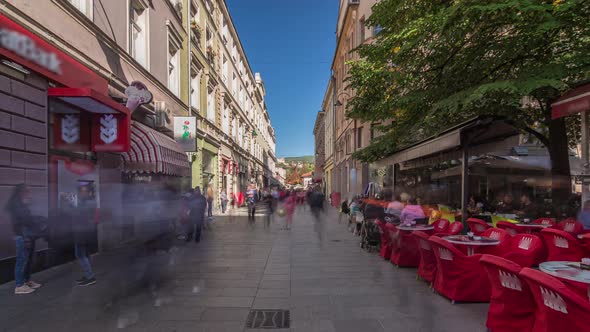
(234, 51)
(225, 119)
(211, 103)
(359, 137)
(196, 89)
(234, 129)
(139, 34)
(234, 84)
(362, 30)
(225, 69)
(174, 69)
(84, 6)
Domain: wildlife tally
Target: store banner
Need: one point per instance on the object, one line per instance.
(185, 132)
(71, 132)
(110, 132)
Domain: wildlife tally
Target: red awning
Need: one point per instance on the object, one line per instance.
(573, 101)
(87, 99)
(154, 152)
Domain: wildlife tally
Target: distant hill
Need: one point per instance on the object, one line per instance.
(305, 159)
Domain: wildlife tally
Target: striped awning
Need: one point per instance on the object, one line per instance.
(154, 152)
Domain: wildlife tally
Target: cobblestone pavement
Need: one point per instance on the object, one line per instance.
(315, 270)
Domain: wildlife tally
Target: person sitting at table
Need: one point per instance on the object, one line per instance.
(507, 205)
(394, 207)
(411, 212)
(528, 209)
(474, 207)
(584, 215)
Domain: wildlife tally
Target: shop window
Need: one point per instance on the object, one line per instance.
(138, 40)
(359, 137)
(174, 69)
(84, 6)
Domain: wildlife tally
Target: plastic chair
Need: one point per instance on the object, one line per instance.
(455, 228)
(571, 226)
(477, 226)
(441, 226)
(406, 253)
(427, 265)
(497, 234)
(385, 250)
(526, 250)
(512, 306)
(511, 228)
(561, 246)
(459, 277)
(558, 307)
(545, 221)
(392, 233)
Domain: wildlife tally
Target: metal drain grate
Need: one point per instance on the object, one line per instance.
(268, 319)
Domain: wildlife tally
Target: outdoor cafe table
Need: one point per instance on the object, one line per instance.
(477, 241)
(529, 228)
(567, 270)
(415, 228)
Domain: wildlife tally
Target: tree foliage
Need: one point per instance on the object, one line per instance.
(437, 63)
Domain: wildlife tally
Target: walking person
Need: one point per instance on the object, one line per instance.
(197, 205)
(83, 227)
(224, 200)
(18, 207)
(210, 198)
(290, 204)
(251, 201)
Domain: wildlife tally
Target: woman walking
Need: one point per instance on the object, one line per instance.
(18, 207)
(290, 204)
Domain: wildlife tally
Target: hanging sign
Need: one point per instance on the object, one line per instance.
(71, 132)
(137, 94)
(185, 133)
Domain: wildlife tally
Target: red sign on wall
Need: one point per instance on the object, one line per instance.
(71, 132)
(110, 132)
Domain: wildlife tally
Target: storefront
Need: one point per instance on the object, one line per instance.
(61, 120)
(204, 166)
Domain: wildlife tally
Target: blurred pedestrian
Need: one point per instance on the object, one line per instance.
(223, 197)
(197, 205)
(210, 199)
(18, 207)
(584, 215)
(316, 203)
(290, 204)
(251, 201)
(83, 228)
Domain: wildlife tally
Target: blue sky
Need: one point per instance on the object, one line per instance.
(291, 43)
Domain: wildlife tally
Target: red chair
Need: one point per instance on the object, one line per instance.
(441, 226)
(477, 226)
(526, 250)
(561, 246)
(586, 242)
(558, 307)
(427, 266)
(406, 253)
(511, 228)
(459, 277)
(393, 234)
(512, 306)
(497, 234)
(545, 221)
(455, 228)
(571, 226)
(385, 251)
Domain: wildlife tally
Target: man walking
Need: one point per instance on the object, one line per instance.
(223, 197)
(197, 205)
(83, 229)
(209, 201)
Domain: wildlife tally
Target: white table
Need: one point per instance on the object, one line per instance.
(530, 227)
(567, 270)
(471, 243)
(415, 228)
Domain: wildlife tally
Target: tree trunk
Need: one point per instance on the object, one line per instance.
(560, 163)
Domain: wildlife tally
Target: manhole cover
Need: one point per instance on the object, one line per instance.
(268, 319)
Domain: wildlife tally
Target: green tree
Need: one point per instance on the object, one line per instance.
(437, 63)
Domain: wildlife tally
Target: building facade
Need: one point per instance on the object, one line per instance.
(72, 77)
(328, 140)
(350, 177)
(320, 153)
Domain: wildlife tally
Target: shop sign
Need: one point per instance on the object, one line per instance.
(29, 50)
(137, 94)
(110, 132)
(71, 132)
(185, 133)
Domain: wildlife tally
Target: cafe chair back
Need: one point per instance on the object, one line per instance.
(455, 228)
(459, 277)
(477, 226)
(496, 234)
(441, 226)
(512, 306)
(561, 246)
(511, 228)
(545, 221)
(557, 307)
(571, 226)
(406, 253)
(385, 250)
(526, 250)
(392, 233)
(427, 265)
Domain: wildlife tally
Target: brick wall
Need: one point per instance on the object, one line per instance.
(23, 145)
